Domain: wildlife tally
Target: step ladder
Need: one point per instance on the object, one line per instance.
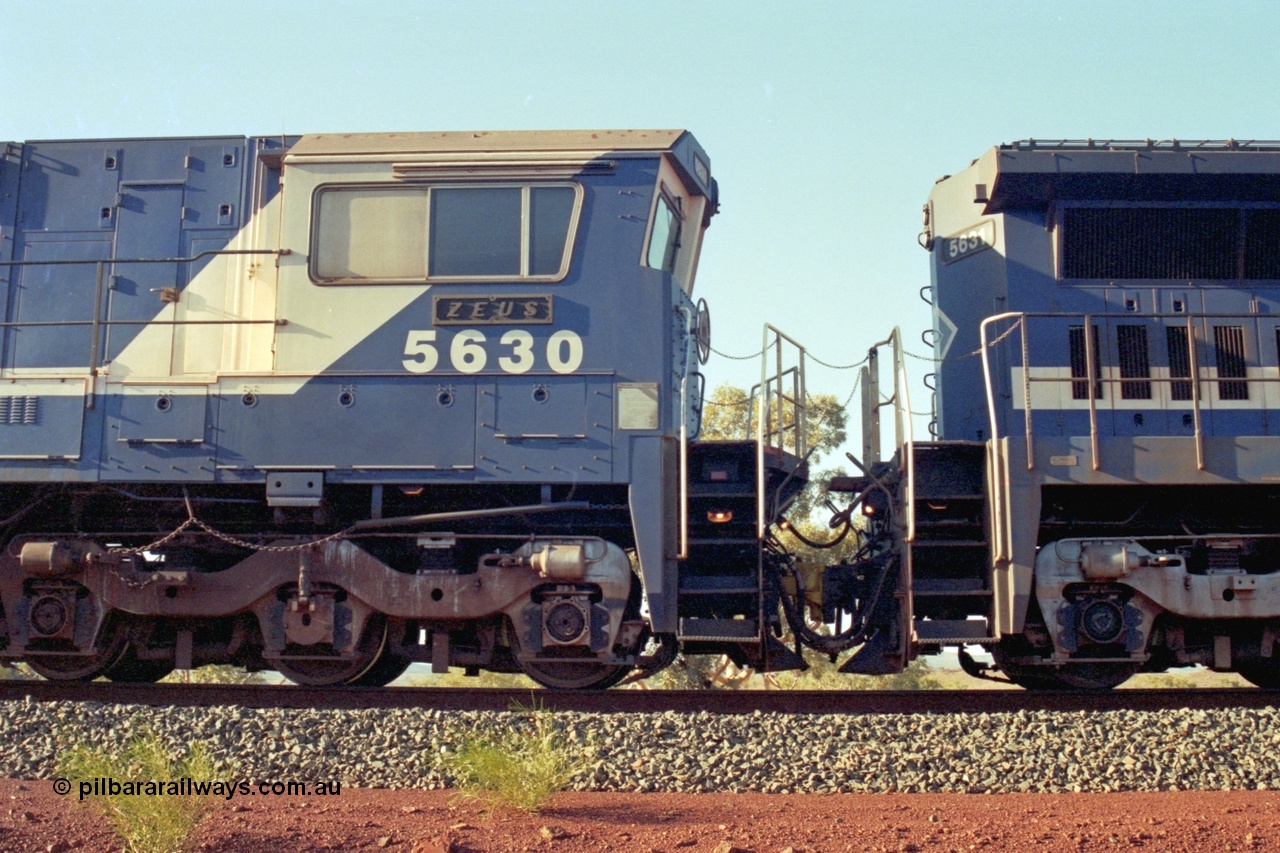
(949, 556)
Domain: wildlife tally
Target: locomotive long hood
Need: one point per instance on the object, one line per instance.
(1033, 174)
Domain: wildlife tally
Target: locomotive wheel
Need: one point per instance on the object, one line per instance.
(1096, 676)
(1026, 677)
(576, 672)
(580, 670)
(1029, 679)
(385, 670)
(318, 672)
(113, 645)
(1078, 676)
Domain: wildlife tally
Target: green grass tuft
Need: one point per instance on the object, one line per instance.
(520, 767)
(147, 824)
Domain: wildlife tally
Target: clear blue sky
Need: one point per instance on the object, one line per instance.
(826, 123)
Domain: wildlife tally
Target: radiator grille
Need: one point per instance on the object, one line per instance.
(1170, 243)
(1262, 244)
(19, 410)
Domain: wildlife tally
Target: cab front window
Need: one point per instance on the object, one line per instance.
(397, 234)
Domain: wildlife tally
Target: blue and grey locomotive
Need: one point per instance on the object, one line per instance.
(1101, 494)
(335, 403)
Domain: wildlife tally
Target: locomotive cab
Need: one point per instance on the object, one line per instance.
(336, 403)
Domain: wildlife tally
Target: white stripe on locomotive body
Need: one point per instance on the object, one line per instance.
(229, 288)
(1051, 390)
(323, 323)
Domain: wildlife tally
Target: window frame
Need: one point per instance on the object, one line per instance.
(692, 210)
(670, 247)
(526, 223)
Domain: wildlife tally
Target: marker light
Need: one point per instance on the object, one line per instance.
(719, 516)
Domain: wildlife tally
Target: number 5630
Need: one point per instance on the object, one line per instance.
(470, 350)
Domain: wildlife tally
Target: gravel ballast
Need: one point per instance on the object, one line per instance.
(1022, 752)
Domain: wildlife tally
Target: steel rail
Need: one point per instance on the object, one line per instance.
(623, 701)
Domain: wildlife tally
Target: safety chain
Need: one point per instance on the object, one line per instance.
(740, 404)
(227, 538)
(813, 357)
(737, 357)
(164, 540)
(271, 549)
(852, 391)
(1006, 333)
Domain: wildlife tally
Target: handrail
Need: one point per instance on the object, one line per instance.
(999, 553)
(1090, 371)
(97, 322)
(1194, 369)
(870, 396)
(683, 553)
(770, 399)
(1094, 377)
(907, 432)
(774, 396)
(761, 524)
(205, 254)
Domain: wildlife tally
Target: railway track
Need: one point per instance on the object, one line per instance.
(638, 701)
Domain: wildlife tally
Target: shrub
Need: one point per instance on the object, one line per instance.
(146, 824)
(519, 767)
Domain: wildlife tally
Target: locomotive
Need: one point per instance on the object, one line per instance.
(333, 404)
(1101, 486)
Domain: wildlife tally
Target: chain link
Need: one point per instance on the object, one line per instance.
(813, 357)
(271, 549)
(159, 543)
(192, 521)
(737, 357)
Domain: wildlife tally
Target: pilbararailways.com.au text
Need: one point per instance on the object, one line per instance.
(187, 787)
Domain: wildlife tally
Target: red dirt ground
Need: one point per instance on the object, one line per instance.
(34, 818)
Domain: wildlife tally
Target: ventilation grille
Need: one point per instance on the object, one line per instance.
(1135, 363)
(1228, 344)
(1170, 243)
(1080, 365)
(1179, 362)
(19, 410)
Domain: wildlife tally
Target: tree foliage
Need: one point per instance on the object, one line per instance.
(727, 414)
